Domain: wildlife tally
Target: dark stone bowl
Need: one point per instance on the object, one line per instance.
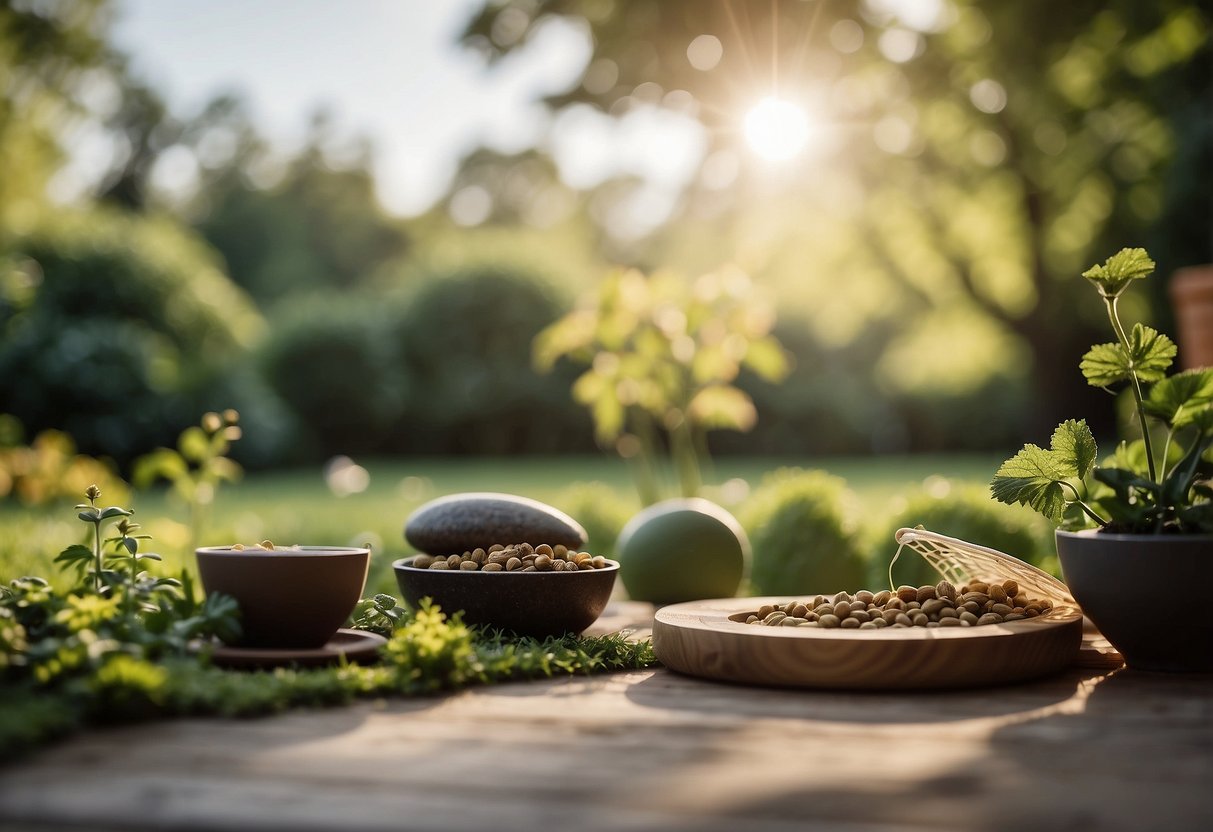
(289, 598)
(538, 604)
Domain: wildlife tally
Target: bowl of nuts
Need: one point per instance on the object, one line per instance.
(538, 591)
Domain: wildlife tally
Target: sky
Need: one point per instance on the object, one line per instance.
(392, 70)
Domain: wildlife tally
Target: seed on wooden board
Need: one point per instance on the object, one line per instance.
(932, 606)
(829, 621)
(944, 589)
(894, 603)
(865, 596)
(1010, 587)
(849, 624)
(1014, 616)
(1001, 609)
(949, 622)
(919, 619)
(925, 593)
(775, 617)
(971, 606)
(800, 610)
(868, 625)
(990, 618)
(492, 567)
(882, 597)
(842, 609)
(978, 597)
(792, 621)
(948, 612)
(889, 616)
(968, 617)
(978, 586)
(907, 593)
(843, 596)
(903, 620)
(860, 615)
(468, 566)
(997, 594)
(765, 610)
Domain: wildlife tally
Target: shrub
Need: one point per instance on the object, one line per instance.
(330, 360)
(465, 342)
(126, 321)
(803, 541)
(962, 511)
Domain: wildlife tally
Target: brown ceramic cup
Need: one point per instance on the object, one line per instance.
(289, 598)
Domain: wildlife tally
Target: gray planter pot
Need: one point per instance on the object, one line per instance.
(1142, 592)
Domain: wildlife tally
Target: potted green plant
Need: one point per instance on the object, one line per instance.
(1136, 530)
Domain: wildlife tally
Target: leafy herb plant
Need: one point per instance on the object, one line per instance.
(1157, 483)
(196, 467)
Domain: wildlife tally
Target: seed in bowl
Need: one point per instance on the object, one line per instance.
(264, 546)
(516, 557)
(975, 604)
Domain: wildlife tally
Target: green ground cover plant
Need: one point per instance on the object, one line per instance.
(121, 644)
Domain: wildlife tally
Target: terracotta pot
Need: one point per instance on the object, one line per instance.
(1141, 591)
(292, 598)
(1192, 300)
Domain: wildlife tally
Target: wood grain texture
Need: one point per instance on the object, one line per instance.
(699, 639)
(647, 750)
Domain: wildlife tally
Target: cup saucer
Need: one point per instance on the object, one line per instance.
(352, 645)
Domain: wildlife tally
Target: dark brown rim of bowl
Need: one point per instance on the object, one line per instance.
(309, 551)
(403, 563)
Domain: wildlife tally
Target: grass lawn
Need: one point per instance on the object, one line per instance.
(298, 507)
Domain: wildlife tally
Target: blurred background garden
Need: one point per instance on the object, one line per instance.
(595, 252)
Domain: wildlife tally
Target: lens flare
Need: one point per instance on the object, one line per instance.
(776, 129)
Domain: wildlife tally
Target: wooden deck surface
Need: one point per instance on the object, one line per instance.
(1085, 750)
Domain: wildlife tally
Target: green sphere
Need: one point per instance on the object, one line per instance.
(682, 550)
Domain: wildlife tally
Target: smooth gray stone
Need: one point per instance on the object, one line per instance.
(462, 522)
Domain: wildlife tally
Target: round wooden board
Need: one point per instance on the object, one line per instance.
(699, 639)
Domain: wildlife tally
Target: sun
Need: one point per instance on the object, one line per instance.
(776, 129)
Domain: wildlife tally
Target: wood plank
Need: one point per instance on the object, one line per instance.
(653, 749)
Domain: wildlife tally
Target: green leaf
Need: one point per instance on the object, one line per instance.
(1119, 270)
(1149, 356)
(1177, 400)
(148, 556)
(115, 511)
(75, 553)
(161, 463)
(723, 406)
(194, 444)
(768, 359)
(130, 545)
(1034, 477)
(1075, 445)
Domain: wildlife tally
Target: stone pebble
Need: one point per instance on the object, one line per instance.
(463, 522)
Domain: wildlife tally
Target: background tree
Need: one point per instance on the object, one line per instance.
(966, 159)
